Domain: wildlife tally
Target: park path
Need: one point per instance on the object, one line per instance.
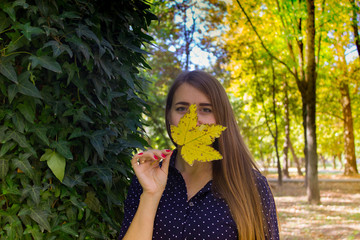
(297, 180)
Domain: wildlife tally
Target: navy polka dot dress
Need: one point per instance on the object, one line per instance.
(204, 216)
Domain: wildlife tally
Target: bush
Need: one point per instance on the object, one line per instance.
(70, 114)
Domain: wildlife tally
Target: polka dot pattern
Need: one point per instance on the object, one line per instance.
(204, 216)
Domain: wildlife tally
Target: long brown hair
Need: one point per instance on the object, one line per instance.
(233, 176)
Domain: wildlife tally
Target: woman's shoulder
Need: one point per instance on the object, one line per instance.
(259, 177)
(261, 183)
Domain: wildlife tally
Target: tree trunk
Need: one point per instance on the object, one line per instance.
(276, 137)
(188, 32)
(354, 25)
(306, 158)
(340, 160)
(296, 159)
(313, 191)
(287, 132)
(350, 165)
(334, 161)
(323, 160)
(349, 143)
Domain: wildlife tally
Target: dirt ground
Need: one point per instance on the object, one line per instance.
(337, 217)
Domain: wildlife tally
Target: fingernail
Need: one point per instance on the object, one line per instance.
(156, 158)
(168, 150)
(163, 155)
(141, 153)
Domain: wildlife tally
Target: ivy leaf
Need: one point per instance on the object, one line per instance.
(103, 172)
(6, 147)
(21, 3)
(4, 167)
(12, 91)
(8, 71)
(70, 69)
(26, 87)
(9, 9)
(73, 181)
(63, 148)
(46, 62)
(57, 165)
(24, 165)
(58, 48)
(81, 46)
(39, 216)
(92, 202)
(19, 122)
(81, 116)
(66, 228)
(28, 30)
(83, 30)
(34, 231)
(55, 162)
(20, 139)
(41, 133)
(46, 156)
(4, 22)
(33, 191)
(27, 111)
(194, 140)
(76, 133)
(69, 14)
(125, 74)
(97, 142)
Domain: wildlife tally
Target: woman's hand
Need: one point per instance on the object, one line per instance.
(151, 176)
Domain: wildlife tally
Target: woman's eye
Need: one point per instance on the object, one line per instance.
(181, 109)
(207, 110)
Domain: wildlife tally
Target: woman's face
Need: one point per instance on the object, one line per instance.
(187, 95)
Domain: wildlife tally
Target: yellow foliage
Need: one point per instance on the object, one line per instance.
(194, 140)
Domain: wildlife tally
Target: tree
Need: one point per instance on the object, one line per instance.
(343, 78)
(287, 132)
(308, 91)
(188, 28)
(70, 115)
(305, 78)
(175, 36)
(165, 64)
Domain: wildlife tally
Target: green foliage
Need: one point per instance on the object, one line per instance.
(165, 66)
(70, 114)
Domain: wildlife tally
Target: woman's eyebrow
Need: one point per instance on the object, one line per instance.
(187, 104)
(205, 104)
(182, 103)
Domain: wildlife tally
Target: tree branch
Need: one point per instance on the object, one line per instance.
(355, 26)
(263, 44)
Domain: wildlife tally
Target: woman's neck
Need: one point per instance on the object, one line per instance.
(198, 169)
(196, 176)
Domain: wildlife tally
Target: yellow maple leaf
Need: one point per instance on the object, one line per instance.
(194, 140)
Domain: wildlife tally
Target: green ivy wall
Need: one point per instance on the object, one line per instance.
(70, 114)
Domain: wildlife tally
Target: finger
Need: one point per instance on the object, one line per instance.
(141, 158)
(166, 152)
(136, 159)
(158, 155)
(166, 163)
(147, 156)
(162, 154)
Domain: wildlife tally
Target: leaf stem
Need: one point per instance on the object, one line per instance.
(16, 53)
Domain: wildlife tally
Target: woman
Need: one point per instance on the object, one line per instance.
(224, 199)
